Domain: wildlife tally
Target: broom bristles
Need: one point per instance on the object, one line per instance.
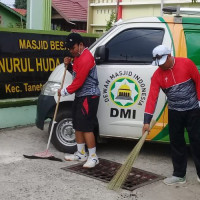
(121, 175)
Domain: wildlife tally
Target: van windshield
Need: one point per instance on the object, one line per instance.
(106, 33)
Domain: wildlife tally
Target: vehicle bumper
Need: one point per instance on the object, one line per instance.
(45, 109)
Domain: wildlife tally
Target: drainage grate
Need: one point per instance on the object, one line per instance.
(106, 169)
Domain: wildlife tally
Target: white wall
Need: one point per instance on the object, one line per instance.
(98, 14)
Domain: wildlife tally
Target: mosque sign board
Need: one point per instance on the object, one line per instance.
(27, 59)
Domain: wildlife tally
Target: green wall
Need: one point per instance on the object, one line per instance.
(39, 14)
(17, 116)
(9, 19)
(17, 112)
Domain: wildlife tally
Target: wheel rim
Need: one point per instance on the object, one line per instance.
(65, 132)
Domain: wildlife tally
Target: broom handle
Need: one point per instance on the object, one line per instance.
(142, 139)
(139, 144)
(152, 124)
(56, 110)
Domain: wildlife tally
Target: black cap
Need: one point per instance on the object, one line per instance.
(72, 39)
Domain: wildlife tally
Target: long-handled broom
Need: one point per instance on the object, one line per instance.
(121, 175)
(46, 154)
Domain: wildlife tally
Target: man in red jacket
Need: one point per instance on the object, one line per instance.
(85, 86)
(179, 79)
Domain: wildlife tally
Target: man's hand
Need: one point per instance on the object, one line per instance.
(67, 61)
(59, 92)
(145, 128)
(63, 92)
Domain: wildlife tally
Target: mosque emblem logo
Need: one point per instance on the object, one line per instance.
(124, 92)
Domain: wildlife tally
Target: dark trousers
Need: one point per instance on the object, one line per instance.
(178, 121)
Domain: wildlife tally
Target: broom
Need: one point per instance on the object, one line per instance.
(121, 175)
(46, 154)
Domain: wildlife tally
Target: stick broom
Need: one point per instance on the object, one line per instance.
(121, 175)
(46, 154)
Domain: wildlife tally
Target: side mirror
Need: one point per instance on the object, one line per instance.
(100, 54)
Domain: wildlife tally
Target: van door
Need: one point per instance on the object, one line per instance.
(125, 76)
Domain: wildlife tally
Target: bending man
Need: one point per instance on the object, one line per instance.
(179, 79)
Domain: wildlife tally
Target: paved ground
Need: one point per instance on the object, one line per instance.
(24, 179)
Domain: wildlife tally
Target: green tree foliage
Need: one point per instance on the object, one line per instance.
(194, 1)
(20, 4)
(111, 21)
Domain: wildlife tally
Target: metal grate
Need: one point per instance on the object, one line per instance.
(106, 169)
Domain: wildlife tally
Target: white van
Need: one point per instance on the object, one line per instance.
(123, 57)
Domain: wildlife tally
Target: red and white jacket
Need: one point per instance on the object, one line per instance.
(84, 72)
(181, 84)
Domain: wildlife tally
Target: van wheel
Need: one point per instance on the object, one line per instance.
(63, 136)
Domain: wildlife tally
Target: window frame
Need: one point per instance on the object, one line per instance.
(133, 63)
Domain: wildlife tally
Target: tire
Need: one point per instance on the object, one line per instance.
(63, 136)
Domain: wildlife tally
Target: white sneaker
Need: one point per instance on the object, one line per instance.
(198, 179)
(174, 180)
(77, 156)
(92, 161)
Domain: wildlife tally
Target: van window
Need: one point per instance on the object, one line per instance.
(100, 38)
(134, 46)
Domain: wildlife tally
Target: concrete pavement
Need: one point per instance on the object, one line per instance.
(24, 179)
